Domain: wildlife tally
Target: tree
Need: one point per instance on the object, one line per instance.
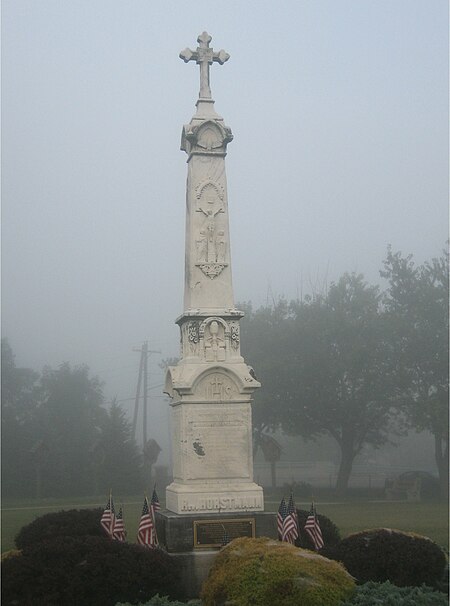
(325, 366)
(18, 415)
(417, 300)
(72, 417)
(119, 461)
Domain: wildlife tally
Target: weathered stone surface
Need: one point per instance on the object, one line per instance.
(211, 387)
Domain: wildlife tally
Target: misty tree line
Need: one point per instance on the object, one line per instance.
(354, 363)
(58, 439)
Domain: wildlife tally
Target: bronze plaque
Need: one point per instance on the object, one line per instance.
(216, 533)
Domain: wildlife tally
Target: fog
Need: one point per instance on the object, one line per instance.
(339, 111)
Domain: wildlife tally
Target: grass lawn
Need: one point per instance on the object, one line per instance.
(427, 518)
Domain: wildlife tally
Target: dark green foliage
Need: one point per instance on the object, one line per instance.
(157, 600)
(87, 571)
(72, 523)
(19, 426)
(330, 532)
(325, 368)
(417, 303)
(72, 418)
(58, 439)
(383, 554)
(375, 594)
(116, 458)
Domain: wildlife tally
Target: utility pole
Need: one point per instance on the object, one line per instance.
(144, 423)
(138, 393)
(143, 373)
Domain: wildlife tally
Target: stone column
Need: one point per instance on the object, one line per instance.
(211, 387)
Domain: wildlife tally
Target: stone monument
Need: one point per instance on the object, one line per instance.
(211, 387)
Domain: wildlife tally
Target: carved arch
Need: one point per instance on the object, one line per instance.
(217, 383)
(208, 184)
(217, 319)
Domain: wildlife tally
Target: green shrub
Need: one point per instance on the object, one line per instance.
(330, 532)
(157, 600)
(382, 554)
(374, 594)
(263, 572)
(71, 523)
(87, 571)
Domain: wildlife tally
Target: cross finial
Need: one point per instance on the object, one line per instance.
(204, 56)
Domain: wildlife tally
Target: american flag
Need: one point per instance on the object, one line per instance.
(281, 515)
(225, 536)
(119, 527)
(312, 527)
(154, 503)
(146, 532)
(108, 518)
(290, 524)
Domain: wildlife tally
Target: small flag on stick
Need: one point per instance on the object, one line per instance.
(225, 536)
(282, 513)
(154, 507)
(119, 533)
(291, 522)
(287, 523)
(147, 532)
(108, 518)
(312, 527)
(154, 503)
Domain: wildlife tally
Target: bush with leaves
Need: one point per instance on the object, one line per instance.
(374, 594)
(92, 571)
(157, 600)
(262, 572)
(71, 523)
(330, 532)
(383, 554)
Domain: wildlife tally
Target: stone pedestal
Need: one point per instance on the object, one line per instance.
(176, 535)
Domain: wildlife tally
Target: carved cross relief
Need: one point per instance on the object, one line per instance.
(211, 244)
(204, 56)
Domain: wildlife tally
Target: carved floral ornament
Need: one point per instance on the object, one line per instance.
(234, 336)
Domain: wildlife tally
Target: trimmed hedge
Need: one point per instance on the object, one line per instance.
(330, 532)
(157, 600)
(262, 572)
(383, 554)
(374, 594)
(71, 523)
(74, 571)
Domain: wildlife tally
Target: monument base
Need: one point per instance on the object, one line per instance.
(209, 498)
(195, 539)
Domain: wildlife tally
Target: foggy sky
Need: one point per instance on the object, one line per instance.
(340, 120)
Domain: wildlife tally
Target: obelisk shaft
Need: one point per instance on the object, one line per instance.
(208, 282)
(211, 386)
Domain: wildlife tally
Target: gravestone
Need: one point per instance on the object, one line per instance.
(213, 494)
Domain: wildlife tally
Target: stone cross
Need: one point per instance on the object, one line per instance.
(204, 56)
